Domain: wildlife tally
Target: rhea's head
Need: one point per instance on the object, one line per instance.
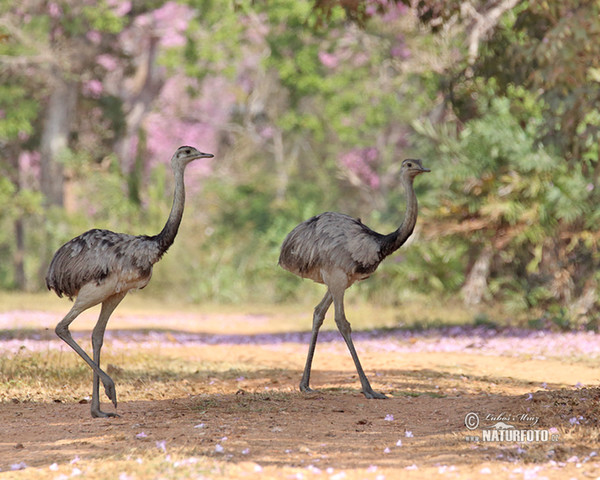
(185, 155)
(412, 167)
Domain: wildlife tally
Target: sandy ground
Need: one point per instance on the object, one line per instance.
(254, 420)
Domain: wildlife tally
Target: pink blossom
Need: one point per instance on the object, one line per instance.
(54, 10)
(371, 9)
(362, 163)
(93, 88)
(29, 164)
(171, 22)
(141, 21)
(399, 49)
(182, 119)
(257, 28)
(120, 7)
(360, 59)
(266, 132)
(393, 10)
(172, 38)
(106, 61)
(390, 11)
(328, 59)
(94, 36)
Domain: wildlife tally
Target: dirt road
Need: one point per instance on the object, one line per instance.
(226, 405)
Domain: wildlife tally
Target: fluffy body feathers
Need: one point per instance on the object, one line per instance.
(100, 266)
(332, 240)
(97, 254)
(338, 250)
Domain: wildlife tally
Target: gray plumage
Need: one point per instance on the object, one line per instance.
(338, 250)
(95, 254)
(331, 239)
(100, 266)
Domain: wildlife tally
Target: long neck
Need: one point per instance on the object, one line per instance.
(167, 236)
(396, 239)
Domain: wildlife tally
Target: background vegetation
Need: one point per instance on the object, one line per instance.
(310, 106)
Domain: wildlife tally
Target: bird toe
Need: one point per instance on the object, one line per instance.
(375, 395)
(306, 389)
(100, 414)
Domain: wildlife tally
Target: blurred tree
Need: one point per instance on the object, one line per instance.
(309, 106)
(539, 66)
(90, 73)
(552, 50)
(524, 102)
(17, 114)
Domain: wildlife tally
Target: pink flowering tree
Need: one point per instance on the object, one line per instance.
(83, 76)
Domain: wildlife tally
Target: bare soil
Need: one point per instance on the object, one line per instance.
(259, 423)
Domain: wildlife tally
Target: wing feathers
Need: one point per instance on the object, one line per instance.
(331, 240)
(96, 254)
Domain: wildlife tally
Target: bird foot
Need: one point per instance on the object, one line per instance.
(373, 394)
(307, 389)
(100, 414)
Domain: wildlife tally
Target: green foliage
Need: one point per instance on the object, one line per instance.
(551, 49)
(18, 111)
(24, 204)
(498, 185)
(343, 99)
(514, 162)
(102, 18)
(238, 253)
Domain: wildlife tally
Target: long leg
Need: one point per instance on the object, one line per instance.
(85, 300)
(318, 317)
(346, 331)
(108, 307)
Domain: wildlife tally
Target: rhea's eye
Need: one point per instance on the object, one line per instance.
(409, 165)
(187, 152)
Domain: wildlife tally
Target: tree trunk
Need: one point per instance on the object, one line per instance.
(55, 139)
(53, 146)
(583, 306)
(20, 282)
(475, 287)
(142, 89)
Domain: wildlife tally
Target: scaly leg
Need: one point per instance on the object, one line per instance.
(108, 307)
(346, 330)
(318, 317)
(88, 297)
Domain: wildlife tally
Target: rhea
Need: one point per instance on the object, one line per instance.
(100, 267)
(337, 250)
